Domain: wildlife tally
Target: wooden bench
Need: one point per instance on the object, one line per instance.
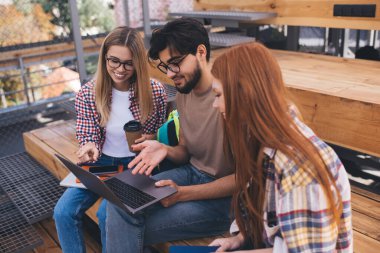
(59, 138)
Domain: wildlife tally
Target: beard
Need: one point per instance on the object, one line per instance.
(194, 79)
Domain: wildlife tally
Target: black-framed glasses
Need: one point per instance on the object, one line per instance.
(114, 63)
(173, 66)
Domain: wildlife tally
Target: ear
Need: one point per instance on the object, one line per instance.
(202, 52)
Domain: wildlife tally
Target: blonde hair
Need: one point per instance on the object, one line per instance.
(128, 37)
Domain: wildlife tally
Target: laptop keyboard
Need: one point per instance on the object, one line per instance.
(129, 195)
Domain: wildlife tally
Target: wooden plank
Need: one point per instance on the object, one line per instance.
(364, 193)
(92, 211)
(91, 245)
(44, 155)
(64, 46)
(365, 206)
(297, 12)
(365, 244)
(366, 225)
(348, 123)
(50, 245)
(58, 49)
(53, 140)
(65, 131)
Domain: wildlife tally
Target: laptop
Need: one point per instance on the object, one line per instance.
(132, 193)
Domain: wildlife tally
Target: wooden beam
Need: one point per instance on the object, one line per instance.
(348, 123)
(317, 13)
(47, 53)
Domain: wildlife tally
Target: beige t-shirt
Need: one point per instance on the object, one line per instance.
(202, 130)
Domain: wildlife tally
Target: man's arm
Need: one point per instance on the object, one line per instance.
(222, 187)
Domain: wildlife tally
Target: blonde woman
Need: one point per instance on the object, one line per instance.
(122, 91)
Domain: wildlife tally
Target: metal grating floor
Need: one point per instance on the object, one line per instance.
(30, 186)
(16, 235)
(228, 40)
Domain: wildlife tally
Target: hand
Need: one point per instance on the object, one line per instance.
(88, 153)
(145, 137)
(229, 243)
(171, 200)
(152, 153)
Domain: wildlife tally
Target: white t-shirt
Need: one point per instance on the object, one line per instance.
(116, 144)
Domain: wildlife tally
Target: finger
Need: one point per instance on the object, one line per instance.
(135, 161)
(149, 170)
(84, 150)
(95, 154)
(166, 202)
(84, 158)
(138, 168)
(80, 152)
(138, 146)
(162, 183)
(145, 167)
(141, 139)
(215, 243)
(223, 247)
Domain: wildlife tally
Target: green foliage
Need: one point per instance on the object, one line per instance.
(92, 13)
(11, 81)
(60, 12)
(96, 13)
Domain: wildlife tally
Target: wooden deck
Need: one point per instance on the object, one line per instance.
(46, 229)
(43, 143)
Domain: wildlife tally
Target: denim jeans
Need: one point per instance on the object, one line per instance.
(70, 208)
(184, 220)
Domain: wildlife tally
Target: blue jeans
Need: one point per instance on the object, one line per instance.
(184, 220)
(70, 208)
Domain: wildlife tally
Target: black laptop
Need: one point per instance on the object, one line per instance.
(132, 193)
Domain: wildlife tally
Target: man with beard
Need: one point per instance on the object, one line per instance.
(204, 179)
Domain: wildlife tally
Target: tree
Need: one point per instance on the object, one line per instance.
(60, 14)
(24, 25)
(92, 13)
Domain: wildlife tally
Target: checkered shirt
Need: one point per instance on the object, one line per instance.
(88, 127)
(296, 206)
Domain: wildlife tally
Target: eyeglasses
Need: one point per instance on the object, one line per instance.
(116, 63)
(173, 66)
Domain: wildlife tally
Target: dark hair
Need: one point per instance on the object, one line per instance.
(182, 35)
(367, 53)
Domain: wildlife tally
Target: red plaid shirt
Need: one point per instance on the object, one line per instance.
(88, 127)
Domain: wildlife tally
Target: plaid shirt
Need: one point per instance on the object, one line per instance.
(296, 206)
(88, 127)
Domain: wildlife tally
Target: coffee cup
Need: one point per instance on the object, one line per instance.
(133, 131)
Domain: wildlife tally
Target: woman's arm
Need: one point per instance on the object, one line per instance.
(87, 129)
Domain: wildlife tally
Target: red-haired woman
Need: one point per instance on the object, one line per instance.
(293, 194)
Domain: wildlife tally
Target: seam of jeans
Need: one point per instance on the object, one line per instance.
(76, 213)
